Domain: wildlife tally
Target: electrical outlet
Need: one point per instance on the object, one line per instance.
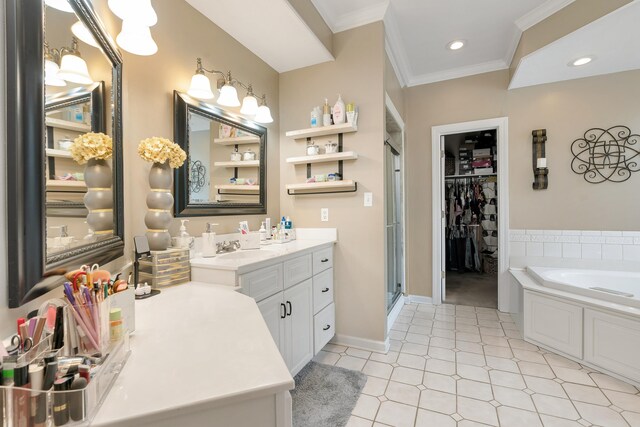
(324, 214)
(368, 200)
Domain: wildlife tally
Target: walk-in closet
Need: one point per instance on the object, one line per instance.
(471, 215)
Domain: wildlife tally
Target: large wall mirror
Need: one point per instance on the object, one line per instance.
(225, 172)
(64, 78)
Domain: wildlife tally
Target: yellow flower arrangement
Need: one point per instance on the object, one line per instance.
(91, 146)
(159, 150)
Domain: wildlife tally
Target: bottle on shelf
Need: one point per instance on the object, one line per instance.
(338, 111)
(326, 113)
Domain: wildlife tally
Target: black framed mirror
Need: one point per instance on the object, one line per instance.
(32, 101)
(226, 168)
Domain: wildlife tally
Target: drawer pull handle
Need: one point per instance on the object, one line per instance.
(290, 309)
(325, 290)
(324, 260)
(326, 328)
(284, 311)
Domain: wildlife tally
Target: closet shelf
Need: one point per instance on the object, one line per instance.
(67, 125)
(471, 175)
(346, 186)
(65, 154)
(238, 140)
(323, 158)
(322, 131)
(241, 164)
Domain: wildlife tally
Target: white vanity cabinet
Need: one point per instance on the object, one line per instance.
(294, 293)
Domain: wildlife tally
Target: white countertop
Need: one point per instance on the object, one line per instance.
(267, 254)
(195, 345)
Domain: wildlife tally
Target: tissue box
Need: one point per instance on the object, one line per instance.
(250, 241)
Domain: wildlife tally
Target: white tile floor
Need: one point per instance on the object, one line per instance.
(468, 366)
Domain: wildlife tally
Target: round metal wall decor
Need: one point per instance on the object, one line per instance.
(606, 154)
(198, 177)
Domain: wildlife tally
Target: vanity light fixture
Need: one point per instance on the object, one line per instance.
(80, 31)
(263, 115)
(228, 94)
(249, 103)
(62, 5)
(456, 45)
(138, 10)
(581, 61)
(136, 38)
(51, 69)
(72, 67)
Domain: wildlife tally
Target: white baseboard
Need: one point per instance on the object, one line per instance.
(419, 299)
(362, 343)
(395, 311)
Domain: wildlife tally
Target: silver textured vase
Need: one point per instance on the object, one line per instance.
(159, 202)
(99, 196)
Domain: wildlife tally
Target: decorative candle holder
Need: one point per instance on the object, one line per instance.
(540, 174)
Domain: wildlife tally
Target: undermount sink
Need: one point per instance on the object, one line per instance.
(245, 255)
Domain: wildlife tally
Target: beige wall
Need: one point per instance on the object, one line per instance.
(566, 110)
(356, 73)
(392, 86)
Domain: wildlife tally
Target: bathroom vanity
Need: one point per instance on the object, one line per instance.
(293, 286)
(201, 355)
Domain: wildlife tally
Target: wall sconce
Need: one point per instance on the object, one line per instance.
(71, 68)
(540, 170)
(201, 88)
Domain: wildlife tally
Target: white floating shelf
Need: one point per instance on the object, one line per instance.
(58, 153)
(322, 131)
(67, 125)
(237, 187)
(239, 140)
(323, 158)
(318, 187)
(243, 164)
(61, 185)
(471, 175)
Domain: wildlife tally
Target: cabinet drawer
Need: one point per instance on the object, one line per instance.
(297, 270)
(322, 260)
(553, 323)
(324, 327)
(262, 283)
(322, 290)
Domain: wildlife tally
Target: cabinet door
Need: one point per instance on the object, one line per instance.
(296, 270)
(273, 312)
(299, 325)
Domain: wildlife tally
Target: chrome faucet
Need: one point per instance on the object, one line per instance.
(225, 247)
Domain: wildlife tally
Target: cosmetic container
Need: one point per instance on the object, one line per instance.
(166, 268)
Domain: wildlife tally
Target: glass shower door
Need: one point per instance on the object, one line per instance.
(394, 244)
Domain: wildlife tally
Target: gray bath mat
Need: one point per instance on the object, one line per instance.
(325, 395)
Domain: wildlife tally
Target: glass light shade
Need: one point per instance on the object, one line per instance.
(74, 69)
(80, 31)
(136, 38)
(263, 115)
(200, 87)
(249, 105)
(62, 5)
(51, 74)
(138, 10)
(228, 96)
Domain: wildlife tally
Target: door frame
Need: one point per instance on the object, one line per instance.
(393, 313)
(501, 125)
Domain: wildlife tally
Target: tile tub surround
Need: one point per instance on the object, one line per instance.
(459, 365)
(613, 246)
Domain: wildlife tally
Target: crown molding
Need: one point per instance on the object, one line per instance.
(395, 49)
(541, 13)
(373, 13)
(394, 63)
(456, 73)
(513, 46)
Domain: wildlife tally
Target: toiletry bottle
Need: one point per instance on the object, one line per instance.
(338, 111)
(326, 113)
(115, 324)
(267, 225)
(351, 112)
(209, 241)
(315, 117)
(263, 232)
(288, 225)
(184, 240)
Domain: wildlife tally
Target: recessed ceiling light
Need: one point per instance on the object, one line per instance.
(455, 45)
(581, 61)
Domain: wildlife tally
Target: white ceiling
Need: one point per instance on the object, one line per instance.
(271, 29)
(613, 40)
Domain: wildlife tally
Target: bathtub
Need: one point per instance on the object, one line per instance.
(620, 287)
(590, 316)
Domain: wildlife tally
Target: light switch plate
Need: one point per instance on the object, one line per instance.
(368, 200)
(324, 214)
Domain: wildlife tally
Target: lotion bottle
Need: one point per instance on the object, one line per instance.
(263, 233)
(338, 111)
(209, 241)
(184, 240)
(326, 113)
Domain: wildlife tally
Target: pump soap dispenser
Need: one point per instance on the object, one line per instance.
(184, 240)
(209, 241)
